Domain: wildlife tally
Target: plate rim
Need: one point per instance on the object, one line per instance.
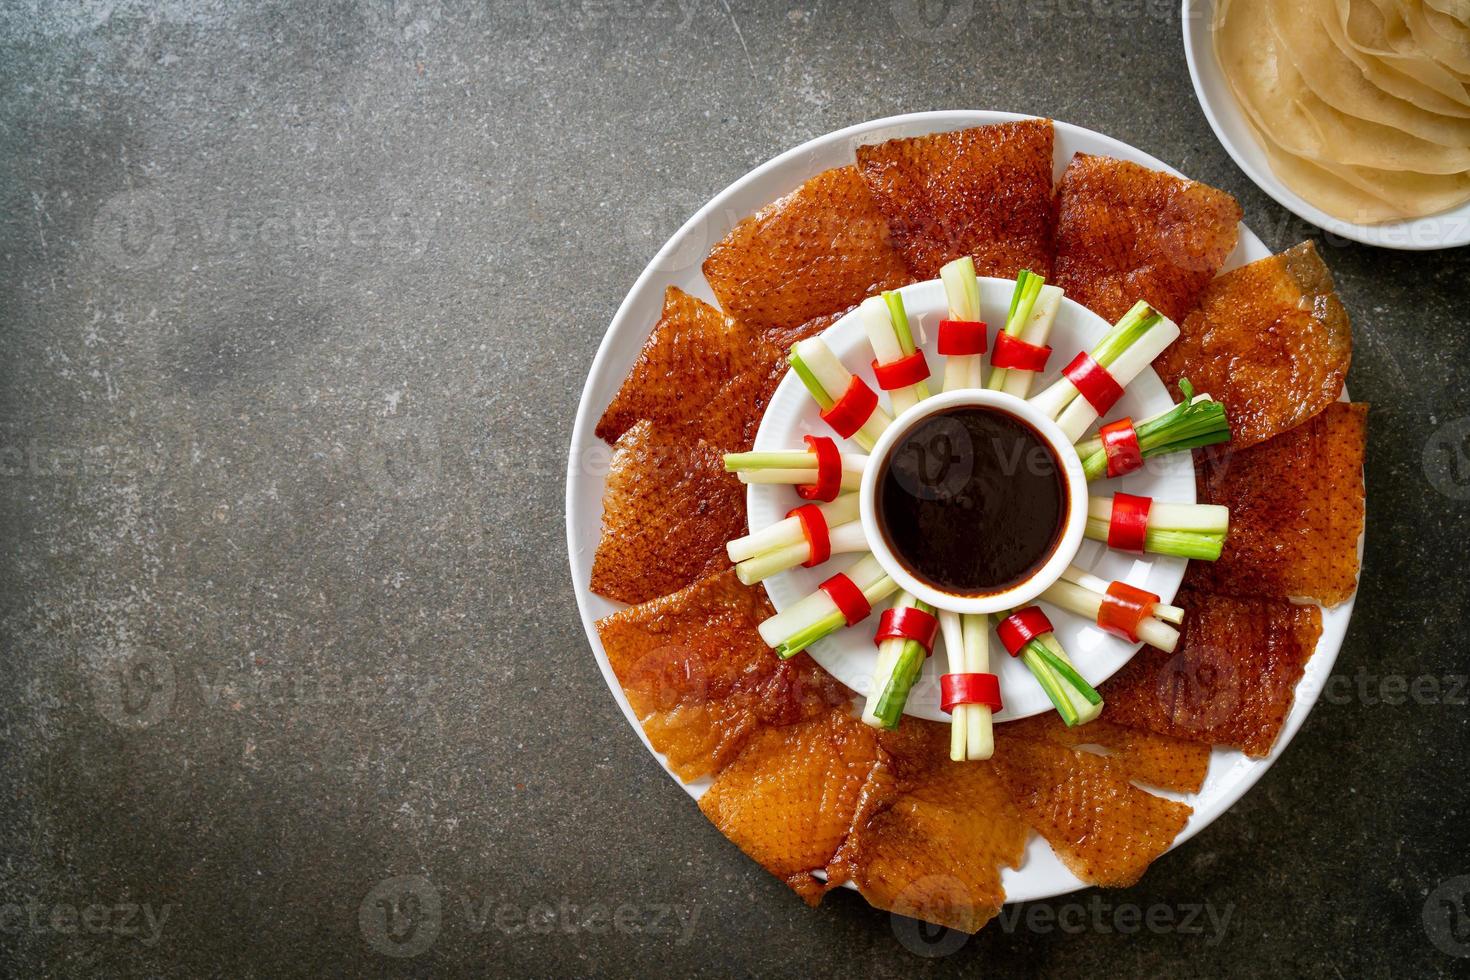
(1398, 235)
(1231, 774)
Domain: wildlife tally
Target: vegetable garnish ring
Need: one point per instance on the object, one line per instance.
(961, 338)
(1123, 607)
(1021, 627)
(829, 471)
(902, 373)
(1093, 382)
(1120, 443)
(1128, 524)
(908, 623)
(851, 412)
(958, 689)
(1012, 352)
(814, 529)
(848, 598)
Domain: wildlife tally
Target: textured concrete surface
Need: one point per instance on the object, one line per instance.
(296, 302)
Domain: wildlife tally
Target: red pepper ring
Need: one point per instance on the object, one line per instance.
(814, 529)
(1123, 607)
(848, 598)
(1011, 352)
(958, 689)
(851, 412)
(829, 470)
(1120, 443)
(908, 623)
(1093, 382)
(1021, 627)
(1128, 524)
(902, 373)
(961, 338)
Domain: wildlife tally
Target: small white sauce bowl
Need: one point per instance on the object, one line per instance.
(1073, 525)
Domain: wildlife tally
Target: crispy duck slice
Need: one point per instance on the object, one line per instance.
(931, 835)
(1126, 232)
(788, 799)
(820, 249)
(1143, 756)
(985, 192)
(1271, 340)
(1231, 680)
(1296, 510)
(1102, 827)
(667, 511)
(697, 675)
(693, 352)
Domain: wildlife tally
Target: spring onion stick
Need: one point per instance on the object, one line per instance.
(898, 666)
(962, 292)
(886, 323)
(967, 645)
(788, 531)
(844, 539)
(798, 468)
(1023, 303)
(1076, 701)
(1036, 331)
(1182, 530)
(1129, 347)
(826, 380)
(1196, 421)
(1085, 598)
(814, 616)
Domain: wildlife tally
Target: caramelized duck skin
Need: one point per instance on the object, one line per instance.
(985, 192)
(1232, 679)
(1270, 340)
(1126, 232)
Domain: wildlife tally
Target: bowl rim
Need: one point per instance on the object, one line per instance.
(1062, 554)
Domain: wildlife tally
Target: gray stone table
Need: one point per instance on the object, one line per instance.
(296, 302)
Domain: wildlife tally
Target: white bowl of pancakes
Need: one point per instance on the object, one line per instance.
(1352, 114)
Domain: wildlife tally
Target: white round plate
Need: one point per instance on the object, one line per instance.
(677, 264)
(849, 654)
(1447, 229)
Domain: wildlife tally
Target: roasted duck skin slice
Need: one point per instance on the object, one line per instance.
(698, 676)
(1270, 340)
(1296, 510)
(693, 352)
(985, 192)
(820, 249)
(667, 511)
(1127, 233)
(1232, 679)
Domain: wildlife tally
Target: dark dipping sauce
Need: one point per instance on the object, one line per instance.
(972, 501)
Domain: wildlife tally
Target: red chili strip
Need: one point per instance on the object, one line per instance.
(1128, 524)
(908, 623)
(1021, 627)
(829, 470)
(1093, 382)
(958, 689)
(1123, 608)
(1013, 353)
(961, 338)
(814, 529)
(851, 412)
(848, 597)
(1120, 443)
(902, 373)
